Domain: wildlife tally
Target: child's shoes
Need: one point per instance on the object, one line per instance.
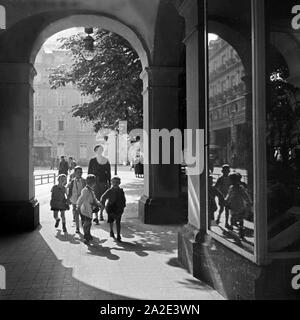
(64, 227)
(57, 223)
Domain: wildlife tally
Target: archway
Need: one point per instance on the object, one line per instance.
(57, 133)
(86, 20)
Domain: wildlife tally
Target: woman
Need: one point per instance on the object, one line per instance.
(100, 167)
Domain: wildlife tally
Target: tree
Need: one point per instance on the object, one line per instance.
(112, 79)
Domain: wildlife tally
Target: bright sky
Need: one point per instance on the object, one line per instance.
(52, 43)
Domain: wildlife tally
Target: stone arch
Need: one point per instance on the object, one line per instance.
(2, 17)
(87, 20)
(289, 48)
(235, 39)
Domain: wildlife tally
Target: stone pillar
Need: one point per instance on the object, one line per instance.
(161, 202)
(194, 232)
(19, 211)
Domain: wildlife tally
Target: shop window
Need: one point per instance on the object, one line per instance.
(230, 178)
(283, 129)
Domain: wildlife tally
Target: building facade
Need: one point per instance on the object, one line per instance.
(227, 104)
(56, 132)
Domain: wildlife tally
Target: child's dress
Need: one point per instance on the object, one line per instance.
(58, 199)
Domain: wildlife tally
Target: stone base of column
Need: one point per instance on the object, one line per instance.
(19, 216)
(163, 211)
(232, 275)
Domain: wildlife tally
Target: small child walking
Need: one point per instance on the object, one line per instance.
(214, 193)
(223, 184)
(74, 191)
(85, 203)
(238, 202)
(114, 201)
(59, 201)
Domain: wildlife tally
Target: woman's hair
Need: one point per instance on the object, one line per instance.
(91, 179)
(98, 147)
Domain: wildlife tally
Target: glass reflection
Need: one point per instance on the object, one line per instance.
(230, 146)
(283, 129)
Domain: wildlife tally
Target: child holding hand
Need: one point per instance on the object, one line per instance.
(86, 203)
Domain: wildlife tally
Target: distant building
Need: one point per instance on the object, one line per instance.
(227, 103)
(56, 132)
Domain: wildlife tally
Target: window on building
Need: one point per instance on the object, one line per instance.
(61, 99)
(61, 125)
(83, 127)
(38, 124)
(37, 99)
(2, 18)
(60, 149)
(233, 81)
(83, 154)
(223, 58)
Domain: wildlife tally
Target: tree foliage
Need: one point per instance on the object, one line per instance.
(112, 79)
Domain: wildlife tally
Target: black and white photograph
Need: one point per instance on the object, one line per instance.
(149, 151)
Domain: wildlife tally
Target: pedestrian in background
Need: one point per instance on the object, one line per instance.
(63, 166)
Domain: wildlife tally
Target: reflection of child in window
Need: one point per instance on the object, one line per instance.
(214, 193)
(238, 202)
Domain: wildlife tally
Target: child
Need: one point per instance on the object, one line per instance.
(238, 201)
(115, 202)
(223, 184)
(213, 192)
(75, 187)
(86, 203)
(59, 201)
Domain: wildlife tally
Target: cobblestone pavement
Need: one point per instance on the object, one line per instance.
(48, 264)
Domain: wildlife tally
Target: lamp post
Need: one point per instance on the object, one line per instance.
(116, 151)
(89, 52)
(232, 112)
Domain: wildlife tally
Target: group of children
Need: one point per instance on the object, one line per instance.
(79, 193)
(233, 198)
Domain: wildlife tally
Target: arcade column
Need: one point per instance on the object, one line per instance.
(19, 211)
(191, 236)
(162, 202)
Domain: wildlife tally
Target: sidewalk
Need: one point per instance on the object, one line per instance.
(48, 264)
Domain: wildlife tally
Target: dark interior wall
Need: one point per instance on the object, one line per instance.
(169, 35)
